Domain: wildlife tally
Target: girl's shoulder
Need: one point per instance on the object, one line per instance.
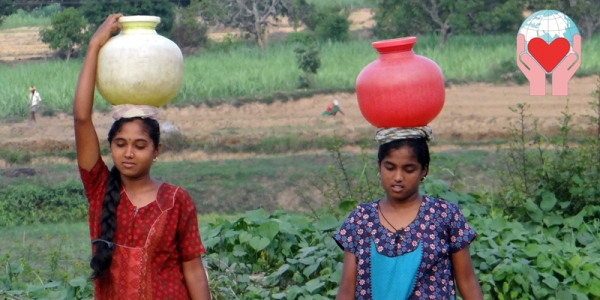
(174, 192)
(363, 211)
(441, 207)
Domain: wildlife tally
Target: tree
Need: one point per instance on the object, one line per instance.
(67, 31)
(188, 34)
(251, 16)
(7, 8)
(96, 11)
(307, 58)
(585, 14)
(447, 17)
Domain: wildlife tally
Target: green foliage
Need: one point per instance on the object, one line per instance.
(15, 157)
(280, 256)
(96, 11)
(305, 37)
(67, 31)
(31, 203)
(397, 18)
(247, 74)
(308, 60)
(328, 23)
(539, 169)
(188, 33)
(6, 9)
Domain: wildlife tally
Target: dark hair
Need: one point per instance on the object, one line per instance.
(108, 218)
(418, 146)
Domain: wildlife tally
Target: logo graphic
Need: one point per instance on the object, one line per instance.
(548, 42)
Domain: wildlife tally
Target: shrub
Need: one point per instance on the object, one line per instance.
(329, 23)
(188, 33)
(31, 203)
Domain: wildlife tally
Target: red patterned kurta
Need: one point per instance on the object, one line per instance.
(156, 238)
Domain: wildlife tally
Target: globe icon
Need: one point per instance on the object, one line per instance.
(548, 25)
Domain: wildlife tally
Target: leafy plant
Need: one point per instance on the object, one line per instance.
(67, 31)
(308, 60)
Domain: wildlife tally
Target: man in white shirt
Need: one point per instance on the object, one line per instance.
(34, 100)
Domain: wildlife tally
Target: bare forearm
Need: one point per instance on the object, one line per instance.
(197, 285)
(84, 95)
(470, 290)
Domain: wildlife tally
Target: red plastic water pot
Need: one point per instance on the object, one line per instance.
(400, 88)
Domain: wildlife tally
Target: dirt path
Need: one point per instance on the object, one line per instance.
(474, 112)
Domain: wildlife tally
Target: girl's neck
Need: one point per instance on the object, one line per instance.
(143, 183)
(399, 205)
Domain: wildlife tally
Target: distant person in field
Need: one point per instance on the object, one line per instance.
(406, 245)
(333, 109)
(34, 101)
(144, 232)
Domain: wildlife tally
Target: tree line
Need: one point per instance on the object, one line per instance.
(187, 21)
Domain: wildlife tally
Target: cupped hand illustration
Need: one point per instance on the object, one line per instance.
(534, 72)
(562, 73)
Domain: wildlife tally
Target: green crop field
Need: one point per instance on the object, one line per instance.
(248, 71)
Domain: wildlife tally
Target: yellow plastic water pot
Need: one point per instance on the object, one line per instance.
(139, 66)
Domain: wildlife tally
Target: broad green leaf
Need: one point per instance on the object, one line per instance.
(595, 288)
(564, 204)
(78, 282)
(543, 262)
(532, 250)
(585, 238)
(312, 285)
(254, 216)
(239, 251)
(575, 221)
(327, 222)
(533, 211)
(575, 261)
(551, 281)
(552, 220)
(259, 243)
(563, 294)
(50, 285)
(278, 295)
(310, 270)
(582, 277)
(286, 227)
(281, 270)
(34, 288)
(548, 201)
(268, 230)
(244, 237)
(297, 277)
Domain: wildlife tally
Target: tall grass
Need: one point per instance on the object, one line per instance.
(248, 71)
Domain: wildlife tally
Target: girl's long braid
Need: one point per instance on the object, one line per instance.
(108, 220)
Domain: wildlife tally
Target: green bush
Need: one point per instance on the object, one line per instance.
(542, 169)
(30, 203)
(329, 23)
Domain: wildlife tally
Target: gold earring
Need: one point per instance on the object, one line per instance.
(423, 179)
(154, 160)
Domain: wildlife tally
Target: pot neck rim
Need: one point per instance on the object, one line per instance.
(139, 23)
(395, 45)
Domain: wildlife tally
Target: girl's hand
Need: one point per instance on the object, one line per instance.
(104, 32)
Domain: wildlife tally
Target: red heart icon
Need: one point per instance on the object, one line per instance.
(548, 55)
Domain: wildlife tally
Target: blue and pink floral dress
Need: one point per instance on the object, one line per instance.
(417, 265)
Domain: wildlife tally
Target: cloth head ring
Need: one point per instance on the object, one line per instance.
(386, 135)
(133, 111)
